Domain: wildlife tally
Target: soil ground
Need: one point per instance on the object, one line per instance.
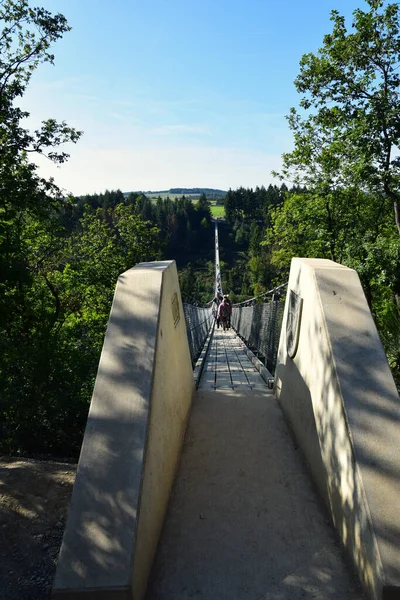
(34, 499)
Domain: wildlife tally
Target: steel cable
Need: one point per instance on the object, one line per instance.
(198, 323)
(258, 322)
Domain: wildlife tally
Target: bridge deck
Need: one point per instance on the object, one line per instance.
(244, 520)
(227, 365)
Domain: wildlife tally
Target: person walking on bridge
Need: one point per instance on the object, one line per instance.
(216, 302)
(223, 314)
(229, 307)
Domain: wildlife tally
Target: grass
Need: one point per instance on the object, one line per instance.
(218, 211)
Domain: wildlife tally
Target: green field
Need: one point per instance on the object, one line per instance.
(218, 211)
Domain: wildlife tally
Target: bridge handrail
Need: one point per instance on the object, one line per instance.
(250, 301)
(201, 322)
(191, 300)
(198, 322)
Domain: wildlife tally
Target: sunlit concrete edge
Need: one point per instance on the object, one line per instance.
(136, 424)
(340, 399)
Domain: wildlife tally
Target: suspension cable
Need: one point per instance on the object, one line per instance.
(218, 282)
(251, 301)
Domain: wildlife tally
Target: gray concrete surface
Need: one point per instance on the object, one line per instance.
(339, 396)
(244, 520)
(132, 442)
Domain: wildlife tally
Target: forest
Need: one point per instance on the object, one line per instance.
(60, 257)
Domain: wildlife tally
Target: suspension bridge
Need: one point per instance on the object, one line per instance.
(261, 462)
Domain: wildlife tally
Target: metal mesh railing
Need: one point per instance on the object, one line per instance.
(258, 322)
(198, 323)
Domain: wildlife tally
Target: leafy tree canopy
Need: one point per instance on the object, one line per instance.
(58, 261)
(25, 42)
(348, 128)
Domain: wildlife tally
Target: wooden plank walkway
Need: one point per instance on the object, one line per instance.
(228, 366)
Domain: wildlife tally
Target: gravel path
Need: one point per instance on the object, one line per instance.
(34, 499)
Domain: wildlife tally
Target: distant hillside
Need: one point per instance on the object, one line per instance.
(215, 196)
(185, 191)
(206, 191)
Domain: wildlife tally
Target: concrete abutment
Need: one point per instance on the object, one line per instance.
(136, 424)
(337, 392)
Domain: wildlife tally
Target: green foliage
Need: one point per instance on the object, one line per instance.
(345, 227)
(30, 232)
(58, 262)
(346, 141)
(323, 226)
(56, 322)
(387, 318)
(184, 226)
(248, 204)
(203, 208)
(196, 281)
(352, 83)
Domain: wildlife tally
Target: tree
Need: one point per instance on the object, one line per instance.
(203, 208)
(25, 42)
(335, 226)
(51, 341)
(345, 226)
(31, 234)
(353, 84)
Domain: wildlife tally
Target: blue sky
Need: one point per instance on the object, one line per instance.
(176, 92)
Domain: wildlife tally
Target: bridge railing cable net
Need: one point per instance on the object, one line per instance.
(258, 323)
(257, 320)
(199, 319)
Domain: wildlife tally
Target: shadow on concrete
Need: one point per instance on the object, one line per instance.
(100, 537)
(240, 480)
(244, 520)
(371, 412)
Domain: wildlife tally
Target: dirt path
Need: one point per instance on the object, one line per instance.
(34, 499)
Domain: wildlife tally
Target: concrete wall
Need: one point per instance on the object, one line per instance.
(137, 419)
(342, 404)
